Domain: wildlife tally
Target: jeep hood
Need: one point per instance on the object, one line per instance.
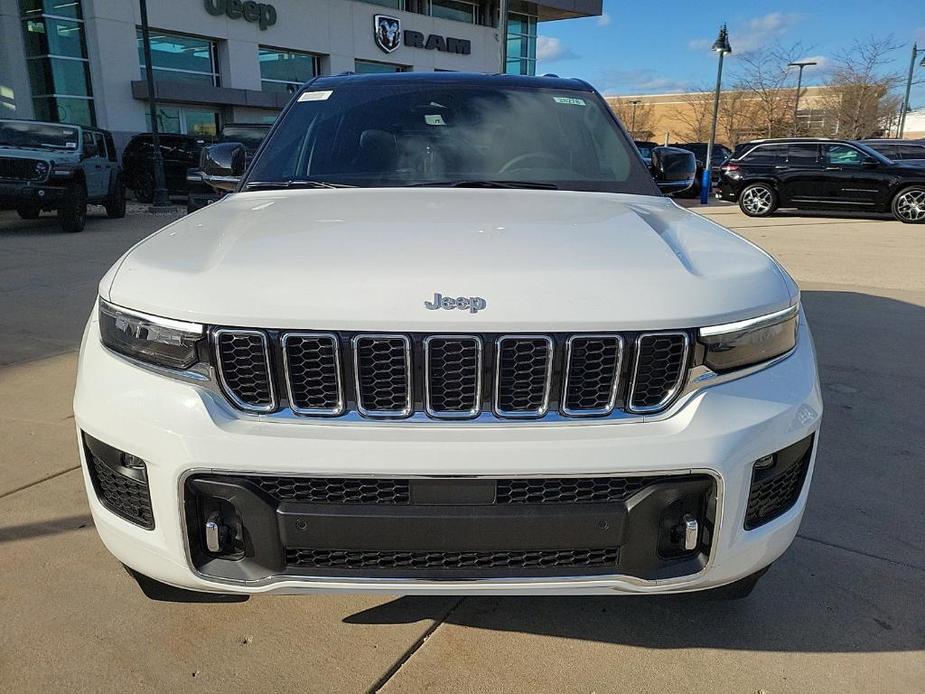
(369, 259)
(50, 155)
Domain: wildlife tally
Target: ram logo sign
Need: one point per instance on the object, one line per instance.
(387, 31)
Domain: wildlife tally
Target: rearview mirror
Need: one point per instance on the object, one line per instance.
(673, 169)
(222, 165)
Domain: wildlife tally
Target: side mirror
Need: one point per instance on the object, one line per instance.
(673, 169)
(222, 165)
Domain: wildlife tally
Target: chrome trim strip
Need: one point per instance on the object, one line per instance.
(182, 326)
(476, 409)
(751, 323)
(226, 389)
(519, 414)
(409, 400)
(681, 374)
(338, 375)
(567, 371)
(310, 581)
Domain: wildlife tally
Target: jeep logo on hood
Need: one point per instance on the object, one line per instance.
(472, 304)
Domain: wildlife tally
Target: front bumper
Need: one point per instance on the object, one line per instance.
(45, 194)
(186, 433)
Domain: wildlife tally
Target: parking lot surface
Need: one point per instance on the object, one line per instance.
(843, 610)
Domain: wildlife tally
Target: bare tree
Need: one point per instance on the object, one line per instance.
(764, 77)
(639, 118)
(694, 114)
(858, 100)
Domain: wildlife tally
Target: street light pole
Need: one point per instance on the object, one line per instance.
(502, 32)
(796, 101)
(905, 107)
(635, 103)
(160, 186)
(721, 46)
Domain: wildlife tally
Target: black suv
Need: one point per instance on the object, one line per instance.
(905, 152)
(251, 135)
(179, 153)
(821, 174)
(719, 155)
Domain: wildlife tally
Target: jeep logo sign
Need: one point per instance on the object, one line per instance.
(472, 304)
(259, 13)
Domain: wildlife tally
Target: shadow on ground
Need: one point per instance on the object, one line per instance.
(852, 581)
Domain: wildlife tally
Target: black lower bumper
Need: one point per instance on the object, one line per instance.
(16, 194)
(447, 529)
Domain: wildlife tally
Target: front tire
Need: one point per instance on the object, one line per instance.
(115, 203)
(758, 200)
(144, 188)
(72, 215)
(28, 211)
(909, 205)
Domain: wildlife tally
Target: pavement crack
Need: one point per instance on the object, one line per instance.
(414, 648)
(44, 479)
(861, 553)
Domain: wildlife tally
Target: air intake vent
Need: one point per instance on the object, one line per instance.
(661, 362)
(313, 373)
(243, 359)
(383, 375)
(592, 374)
(523, 375)
(453, 373)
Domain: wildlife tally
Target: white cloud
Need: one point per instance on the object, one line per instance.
(822, 63)
(551, 49)
(754, 33)
(638, 81)
(604, 20)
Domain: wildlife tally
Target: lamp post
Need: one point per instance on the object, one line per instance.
(160, 186)
(502, 31)
(721, 46)
(796, 101)
(635, 103)
(905, 108)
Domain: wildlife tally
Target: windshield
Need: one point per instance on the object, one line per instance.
(431, 134)
(38, 135)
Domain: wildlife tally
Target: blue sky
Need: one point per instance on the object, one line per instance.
(664, 46)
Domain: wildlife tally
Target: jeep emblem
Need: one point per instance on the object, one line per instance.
(472, 304)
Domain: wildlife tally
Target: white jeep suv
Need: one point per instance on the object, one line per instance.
(447, 336)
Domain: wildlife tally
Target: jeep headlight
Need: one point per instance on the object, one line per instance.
(748, 342)
(160, 341)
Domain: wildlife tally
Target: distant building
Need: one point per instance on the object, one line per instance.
(915, 125)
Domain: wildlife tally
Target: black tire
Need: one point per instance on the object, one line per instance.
(115, 203)
(29, 211)
(144, 187)
(758, 200)
(738, 590)
(161, 592)
(908, 205)
(72, 215)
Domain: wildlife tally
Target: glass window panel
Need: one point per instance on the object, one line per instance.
(803, 155)
(453, 9)
(367, 66)
(168, 119)
(842, 155)
(62, 8)
(56, 76)
(178, 52)
(397, 4)
(45, 36)
(201, 121)
(286, 66)
(173, 76)
(65, 110)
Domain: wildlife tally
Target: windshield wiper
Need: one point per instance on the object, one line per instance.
(482, 183)
(294, 183)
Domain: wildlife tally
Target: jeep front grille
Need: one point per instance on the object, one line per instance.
(450, 377)
(12, 169)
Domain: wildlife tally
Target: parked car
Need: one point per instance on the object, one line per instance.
(821, 174)
(645, 149)
(719, 155)
(422, 348)
(179, 153)
(906, 152)
(251, 135)
(62, 167)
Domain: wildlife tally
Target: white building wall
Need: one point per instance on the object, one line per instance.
(15, 94)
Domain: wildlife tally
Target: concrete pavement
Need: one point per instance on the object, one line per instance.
(842, 611)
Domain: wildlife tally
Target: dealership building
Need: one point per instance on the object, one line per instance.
(218, 61)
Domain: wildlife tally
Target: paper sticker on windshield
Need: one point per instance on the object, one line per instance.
(570, 100)
(315, 96)
(70, 145)
(433, 119)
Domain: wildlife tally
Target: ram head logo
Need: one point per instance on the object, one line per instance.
(387, 31)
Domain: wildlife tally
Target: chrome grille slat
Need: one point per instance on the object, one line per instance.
(523, 375)
(658, 370)
(453, 376)
(311, 362)
(243, 365)
(592, 374)
(382, 369)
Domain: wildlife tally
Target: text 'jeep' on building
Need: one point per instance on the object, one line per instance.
(447, 336)
(50, 166)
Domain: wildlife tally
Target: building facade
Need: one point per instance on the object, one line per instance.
(217, 61)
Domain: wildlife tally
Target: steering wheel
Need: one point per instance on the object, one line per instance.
(517, 161)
